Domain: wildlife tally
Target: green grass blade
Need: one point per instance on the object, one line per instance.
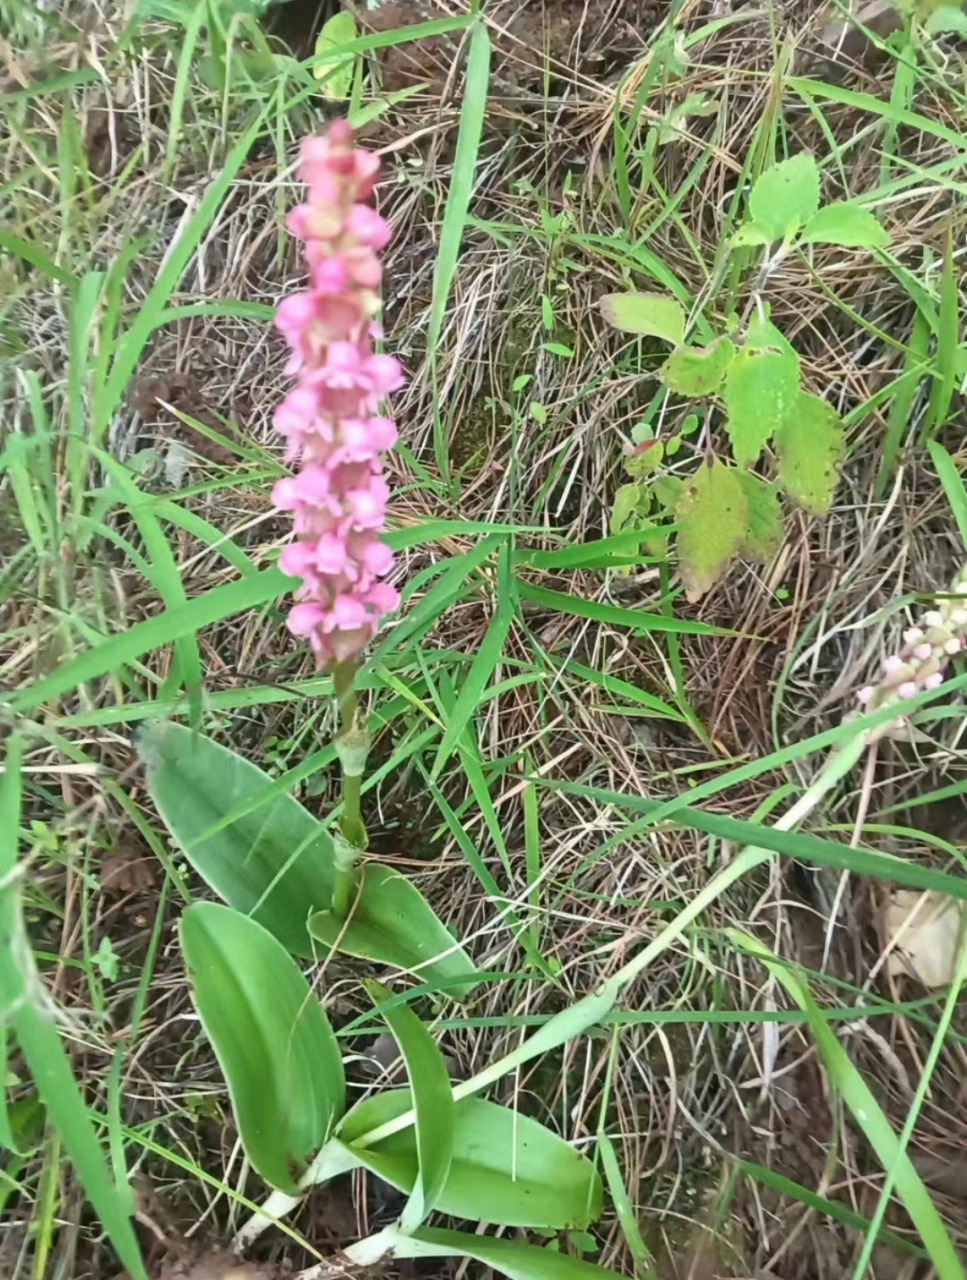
(948, 330)
(792, 844)
(613, 614)
(903, 399)
(131, 345)
(28, 252)
(866, 1112)
(213, 606)
(472, 113)
(166, 578)
(40, 1043)
(953, 486)
(483, 665)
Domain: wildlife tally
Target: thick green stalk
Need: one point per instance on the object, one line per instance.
(352, 746)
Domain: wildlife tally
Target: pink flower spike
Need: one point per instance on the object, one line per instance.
(923, 651)
(338, 497)
(907, 690)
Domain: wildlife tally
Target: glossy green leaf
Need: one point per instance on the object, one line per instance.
(272, 860)
(651, 314)
(392, 923)
(761, 386)
(698, 371)
(432, 1100)
(847, 224)
(507, 1168)
(763, 530)
(712, 518)
(786, 196)
(809, 446)
(271, 1037)
(511, 1258)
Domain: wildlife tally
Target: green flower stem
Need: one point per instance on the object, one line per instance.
(352, 745)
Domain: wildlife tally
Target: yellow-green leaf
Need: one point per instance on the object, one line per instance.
(846, 224)
(651, 314)
(712, 517)
(339, 30)
(809, 445)
(763, 531)
(760, 392)
(698, 371)
(787, 195)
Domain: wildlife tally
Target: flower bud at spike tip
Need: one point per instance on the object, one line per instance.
(330, 420)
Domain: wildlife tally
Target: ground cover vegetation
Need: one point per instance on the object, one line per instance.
(574, 884)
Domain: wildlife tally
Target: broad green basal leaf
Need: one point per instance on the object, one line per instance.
(511, 1258)
(845, 224)
(698, 371)
(809, 446)
(786, 196)
(432, 1100)
(761, 386)
(651, 314)
(763, 533)
(272, 860)
(392, 923)
(506, 1169)
(272, 1040)
(712, 518)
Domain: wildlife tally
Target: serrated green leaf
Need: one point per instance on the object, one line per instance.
(507, 1168)
(752, 234)
(270, 860)
(760, 392)
(512, 1258)
(392, 923)
(698, 371)
(336, 81)
(712, 517)
(273, 1042)
(763, 533)
(809, 446)
(846, 224)
(431, 1099)
(787, 195)
(651, 314)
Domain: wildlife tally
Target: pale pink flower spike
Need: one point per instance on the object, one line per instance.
(330, 420)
